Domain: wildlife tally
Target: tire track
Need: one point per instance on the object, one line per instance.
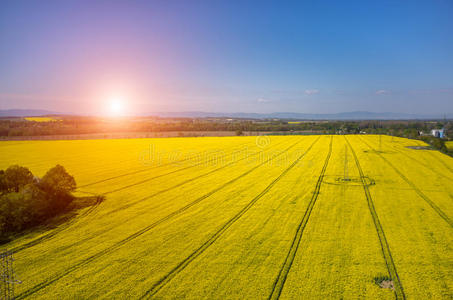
(398, 149)
(179, 170)
(414, 187)
(184, 263)
(54, 232)
(133, 236)
(139, 171)
(126, 174)
(425, 165)
(284, 270)
(399, 291)
(68, 224)
(189, 180)
(185, 207)
(150, 179)
(51, 234)
(441, 161)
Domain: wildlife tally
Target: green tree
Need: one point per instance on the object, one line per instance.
(26, 202)
(16, 177)
(58, 180)
(15, 211)
(3, 185)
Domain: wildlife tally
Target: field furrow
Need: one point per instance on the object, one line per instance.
(420, 239)
(183, 264)
(415, 188)
(284, 217)
(283, 274)
(340, 254)
(135, 234)
(399, 291)
(132, 203)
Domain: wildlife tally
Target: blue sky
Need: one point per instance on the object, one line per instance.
(227, 56)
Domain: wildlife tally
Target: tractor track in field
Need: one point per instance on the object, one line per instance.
(199, 199)
(91, 209)
(187, 181)
(387, 254)
(127, 174)
(415, 188)
(442, 162)
(286, 267)
(420, 163)
(140, 171)
(426, 166)
(179, 170)
(185, 262)
(54, 232)
(117, 245)
(62, 228)
(152, 178)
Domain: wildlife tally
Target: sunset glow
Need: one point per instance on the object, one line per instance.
(116, 108)
(171, 57)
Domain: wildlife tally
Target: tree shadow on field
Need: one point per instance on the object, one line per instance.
(60, 221)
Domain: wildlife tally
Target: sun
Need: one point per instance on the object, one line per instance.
(116, 106)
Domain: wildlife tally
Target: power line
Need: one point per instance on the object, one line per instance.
(7, 275)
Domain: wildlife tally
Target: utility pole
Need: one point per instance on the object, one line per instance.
(346, 175)
(7, 276)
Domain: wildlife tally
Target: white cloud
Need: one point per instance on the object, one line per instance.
(382, 92)
(311, 92)
(262, 100)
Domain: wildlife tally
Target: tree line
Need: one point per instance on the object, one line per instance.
(72, 125)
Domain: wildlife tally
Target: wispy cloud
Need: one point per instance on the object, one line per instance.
(263, 100)
(382, 92)
(311, 92)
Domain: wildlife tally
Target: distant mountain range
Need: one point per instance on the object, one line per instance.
(355, 115)
(26, 113)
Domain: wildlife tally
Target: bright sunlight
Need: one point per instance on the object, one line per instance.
(116, 106)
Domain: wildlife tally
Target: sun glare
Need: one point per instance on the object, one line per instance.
(116, 107)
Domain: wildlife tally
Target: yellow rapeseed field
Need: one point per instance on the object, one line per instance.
(290, 217)
(40, 119)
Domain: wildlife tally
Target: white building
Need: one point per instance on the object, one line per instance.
(439, 133)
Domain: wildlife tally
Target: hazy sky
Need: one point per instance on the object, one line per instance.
(229, 56)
